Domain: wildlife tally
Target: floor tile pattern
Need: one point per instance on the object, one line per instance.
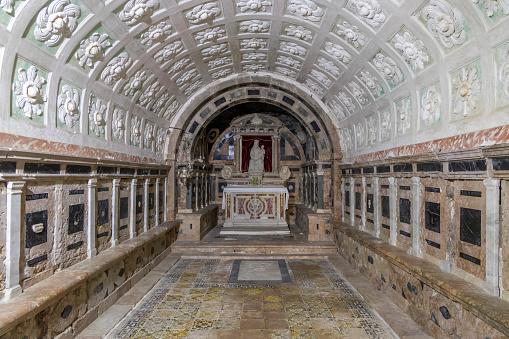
(195, 300)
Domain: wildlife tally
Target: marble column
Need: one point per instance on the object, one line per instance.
(197, 193)
(305, 188)
(132, 209)
(157, 205)
(416, 216)
(343, 199)
(146, 210)
(376, 206)
(165, 200)
(492, 235)
(212, 188)
(363, 204)
(13, 239)
(237, 142)
(275, 153)
(206, 199)
(189, 194)
(92, 218)
(320, 191)
(352, 201)
(114, 211)
(393, 209)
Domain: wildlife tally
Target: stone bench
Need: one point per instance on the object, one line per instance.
(440, 302)
(68, 301)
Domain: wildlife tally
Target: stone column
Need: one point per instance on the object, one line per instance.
(206, 184)
(376, 206)
(352, 201)
(315, 191)
(363, 204)
(343, 199)
(305, 188)
(213, 188)
(237, 148)
(157, 221)
(416, 216)
(197, 193)
(392, 208)
(492, 235)
(320, 191)
(13, 239)
(189, 194)
(132, 212)
(165, 199)
(275, 154)
(146, 211)
(92, 217)
(114, 211)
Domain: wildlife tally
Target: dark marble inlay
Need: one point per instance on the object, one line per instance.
(220, 101)
(326, 166)
(370, 220)
(356, 171)
(103, 216)
(370, 169)
(75, 245)
(151, 201)
(106, 170)
(357, 185)
(103, 189)
(76, 192)
(315, 126)
(33, 239)
(103, 234)
(470, 226)
(205, 112)
(7, 166)
(385, 187)
(370, 259)
(127, 171)
(369, 203)
(37, 260)
(430, 167)
(348, 213)
(467, 193)
(66, 312)
(76, 218)
(124, 207)
(386, 226)
(406, 234)
(358, 216)
(405, 188)
(368, 185)
(467, 166)
(347, 198)
(154, 172)
(432, 216)
(432, 189)
(386, 211)
(470, 258)
(285, 275)
(383, 169)
(139, 204)
(303, 111)
(31, 167)
(433, 244)
(288, 100)
(193, 127)
(404, 210)
(501, 164)
(403, 168)
(30, 197)
(77, 169)
(142, 171)
(123, 227)
(343, 171)
(445, 312)
(163, 172)
(253, 92)
(412, 288)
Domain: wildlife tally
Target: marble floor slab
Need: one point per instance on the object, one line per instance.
(196, 299)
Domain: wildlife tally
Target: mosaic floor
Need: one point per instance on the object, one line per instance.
(213, 298)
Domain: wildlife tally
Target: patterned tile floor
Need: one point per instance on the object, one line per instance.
(195, 300)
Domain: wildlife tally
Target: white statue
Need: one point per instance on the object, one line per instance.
(284, 173)
(257, 157)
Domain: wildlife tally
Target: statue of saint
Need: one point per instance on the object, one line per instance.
(257, 157)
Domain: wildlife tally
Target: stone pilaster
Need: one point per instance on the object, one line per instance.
(376, 206)
(92, 218)
(343, 199)
(352, 201)
(132, 216)
(492, 235)
(363, 204)
(393, 210)
(416, 216)
(157, 197)
(115, 200)
(146, 211)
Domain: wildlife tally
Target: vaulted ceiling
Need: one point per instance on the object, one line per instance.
(118, 74)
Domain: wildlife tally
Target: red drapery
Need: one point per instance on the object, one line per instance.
(247, 144)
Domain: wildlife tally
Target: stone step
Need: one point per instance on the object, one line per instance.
(257, 256)
(194, 248)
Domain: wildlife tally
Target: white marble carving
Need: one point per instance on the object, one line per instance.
(404, 115)
(467, 90)
(179, 65)
(218, 62)
(253, 6)
(305, 9)
(7, 5)
(385, 124)
(299, 32)
(187, 77)
(68, 106)
(160, 139)
(210, 35)
(347, 139)
(492, 6)
(193, 87)
(116, 69)
(135, 83)
(253, 68)
(214, 50)
(28, 91)
(337, 110)
(289, 61)
(149, 94)
(254, 56)
(97, 116)
(347, 101)
(445, 22)
(411, 49)
(171, 110)
(292, 48)
(329, 66)
(314, 87)
(388, 68)
(136, 11)
(156, 33)
(372, 83)
(56, 22)
(254, 26)
(148, 134)
(253, 43)
(369, 11)
(203, 13)
(135, 130)
(221, 73)
(358, 92)
(92, 49)
(160, 103)
(351, 34)
(321, 77)
(118, 123)
(360, 134)
(430, 106)
(372, 130)
(169, 51)
(504, 73)
(338, 52)
(285, 71)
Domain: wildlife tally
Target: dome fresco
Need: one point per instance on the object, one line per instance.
(118, 75)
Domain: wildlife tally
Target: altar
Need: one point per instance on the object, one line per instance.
(255, 199)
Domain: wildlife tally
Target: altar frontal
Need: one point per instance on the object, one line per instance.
(255, 198)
